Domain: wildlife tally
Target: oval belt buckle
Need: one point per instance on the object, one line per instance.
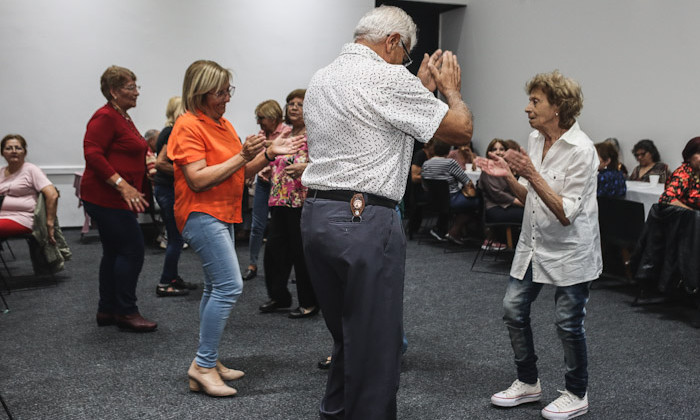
(357, 206)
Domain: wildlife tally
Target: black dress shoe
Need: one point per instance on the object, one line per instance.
(250, 274)
(273, 305)
(301, 312)
(179, 283)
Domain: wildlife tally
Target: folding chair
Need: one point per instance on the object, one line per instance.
(487, 224)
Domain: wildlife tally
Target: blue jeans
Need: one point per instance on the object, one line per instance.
(213, 241)
(165, 196)
(570, 312)
(260, 210)
(122, 258)
(458, 202)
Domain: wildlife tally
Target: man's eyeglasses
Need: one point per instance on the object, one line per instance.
(407, 61)
(224, 92)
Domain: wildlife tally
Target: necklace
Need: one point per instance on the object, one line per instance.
(120, 111)
(130, 123)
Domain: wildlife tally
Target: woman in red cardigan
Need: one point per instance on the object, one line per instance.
(112, 190)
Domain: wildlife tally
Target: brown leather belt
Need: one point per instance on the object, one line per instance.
(346, 196)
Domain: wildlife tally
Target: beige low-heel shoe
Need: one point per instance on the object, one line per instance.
(209, 381)
(228, 374)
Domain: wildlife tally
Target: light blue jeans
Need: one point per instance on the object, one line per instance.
(213, 241)
(570, 312)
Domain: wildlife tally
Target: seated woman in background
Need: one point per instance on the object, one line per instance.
(20, 184)
(620, 166)
(462, 192)
(683, 187)
(649, 162)
(611, 181)
(499, 201)
(464, 155)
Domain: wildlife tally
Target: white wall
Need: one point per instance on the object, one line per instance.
(636, 60)
(52, 54)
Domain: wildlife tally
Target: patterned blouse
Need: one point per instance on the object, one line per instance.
(286, 191)
(659, 168)
(611, 183)
(684, 186)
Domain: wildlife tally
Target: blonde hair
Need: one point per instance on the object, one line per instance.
(173, 110)
(270, 109)
(202, 77)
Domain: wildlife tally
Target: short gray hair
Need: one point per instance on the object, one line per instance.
(150, 134)
(382, 21)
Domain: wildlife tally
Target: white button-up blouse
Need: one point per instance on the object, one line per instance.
(562, 255)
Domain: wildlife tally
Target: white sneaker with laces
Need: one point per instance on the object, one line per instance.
(567, 406)
(518, 393)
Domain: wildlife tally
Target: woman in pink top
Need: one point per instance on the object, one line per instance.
(284, 249)
(20, 185)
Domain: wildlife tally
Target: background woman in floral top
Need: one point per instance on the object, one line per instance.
(284, 248)
(683, 187)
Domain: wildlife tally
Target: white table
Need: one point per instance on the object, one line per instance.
(645, 193)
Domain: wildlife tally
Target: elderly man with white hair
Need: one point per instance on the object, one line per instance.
(362, 113)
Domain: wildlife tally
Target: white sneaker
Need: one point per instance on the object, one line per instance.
(518, 393)
(437, 236)
(567, 406)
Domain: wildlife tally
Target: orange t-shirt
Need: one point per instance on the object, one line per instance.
(196, 137)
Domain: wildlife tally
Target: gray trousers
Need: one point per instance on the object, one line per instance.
(357, 271)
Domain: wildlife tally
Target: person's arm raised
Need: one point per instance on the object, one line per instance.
(456, 127)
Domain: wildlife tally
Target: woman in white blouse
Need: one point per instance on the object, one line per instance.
(559, 243)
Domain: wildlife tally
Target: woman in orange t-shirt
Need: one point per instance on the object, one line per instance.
(210, 166)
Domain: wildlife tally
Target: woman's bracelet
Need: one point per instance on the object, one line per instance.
(267, 157)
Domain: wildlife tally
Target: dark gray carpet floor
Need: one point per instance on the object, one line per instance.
(55, 363)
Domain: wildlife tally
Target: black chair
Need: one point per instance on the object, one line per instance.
(36, 258)
(7, 409)
(438, 203)
(508, 227)
(621, 224)
(417, 208)
(4, 302)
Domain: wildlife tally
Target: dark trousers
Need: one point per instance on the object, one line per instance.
(165, 195)
(498, 214)
(122, 258)
(284, 250)
(357, 270)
